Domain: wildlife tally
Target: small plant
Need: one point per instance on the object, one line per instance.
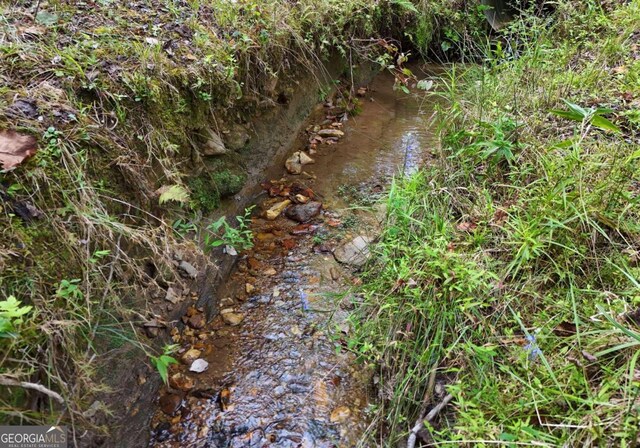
(163, 361)
(222, 233)
(52, 138)
(69, 289)
(11, 315)
(175, 193)
(588, 117)
(499, 146)
(182, 227)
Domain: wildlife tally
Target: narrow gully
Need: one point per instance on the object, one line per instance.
(276, 376)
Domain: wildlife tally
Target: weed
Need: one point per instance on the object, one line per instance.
(221, 233)
(163, 361)
(12, 314)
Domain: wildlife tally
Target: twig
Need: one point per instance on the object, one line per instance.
(411, 442)
(4, 381)
(35, 13)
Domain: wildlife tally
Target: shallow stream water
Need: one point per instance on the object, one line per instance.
(278, 374)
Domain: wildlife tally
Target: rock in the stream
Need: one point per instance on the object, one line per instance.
(301, 199)
(295, 163)
(181, 381)
(355, 252)
(197, 321)
(199, 366)
(190, 356)
(232, 318)
(187, 269)
(304, 212)
(275, 211)
(340, 414)
(170, 403)
(330, 133)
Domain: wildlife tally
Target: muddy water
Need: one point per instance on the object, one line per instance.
(277, 375)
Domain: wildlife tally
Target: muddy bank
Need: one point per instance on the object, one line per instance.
(277, 374)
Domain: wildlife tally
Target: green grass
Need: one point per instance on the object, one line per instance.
(508, 269)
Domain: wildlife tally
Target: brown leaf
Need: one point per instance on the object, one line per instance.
(467, 226)
(499, 217)
(15, 148)
(565, 329)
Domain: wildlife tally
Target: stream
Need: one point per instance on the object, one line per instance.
(277, 372)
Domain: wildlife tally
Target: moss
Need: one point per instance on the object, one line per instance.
(208, 189)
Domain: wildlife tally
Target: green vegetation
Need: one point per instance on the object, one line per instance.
(118, 96)
(221, 233)
(163, 361)
(508, 270)
(509, 267)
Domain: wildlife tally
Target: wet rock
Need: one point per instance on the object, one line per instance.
(301, 199)
(196, 321)
(355, 252)
(304, 212)
(231, 318)
(181, 381)
(190, 356)
(277, 209)
(295, 163)
(170, 403)
(199, 366)
(330, 133)
(173, 295)
(340, 414)
(279, 391)
(298, 388)
(187, 269)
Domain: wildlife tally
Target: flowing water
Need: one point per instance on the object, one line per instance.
(278, 374)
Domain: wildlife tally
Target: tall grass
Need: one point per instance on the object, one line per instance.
(508, 270)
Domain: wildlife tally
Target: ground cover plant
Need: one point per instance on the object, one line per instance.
(506, 283)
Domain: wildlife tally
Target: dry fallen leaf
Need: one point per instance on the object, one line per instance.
(467, 226)
(15, 148)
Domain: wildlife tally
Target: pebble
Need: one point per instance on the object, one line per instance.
(170, 403)
(181, 381)
(199, 366)
(188, 269)
(190, 356)
(340, 414)
(233, 319)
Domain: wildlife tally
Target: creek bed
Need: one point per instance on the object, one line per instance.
(277, 375)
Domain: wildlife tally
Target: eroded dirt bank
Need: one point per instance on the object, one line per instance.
(276, 374)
